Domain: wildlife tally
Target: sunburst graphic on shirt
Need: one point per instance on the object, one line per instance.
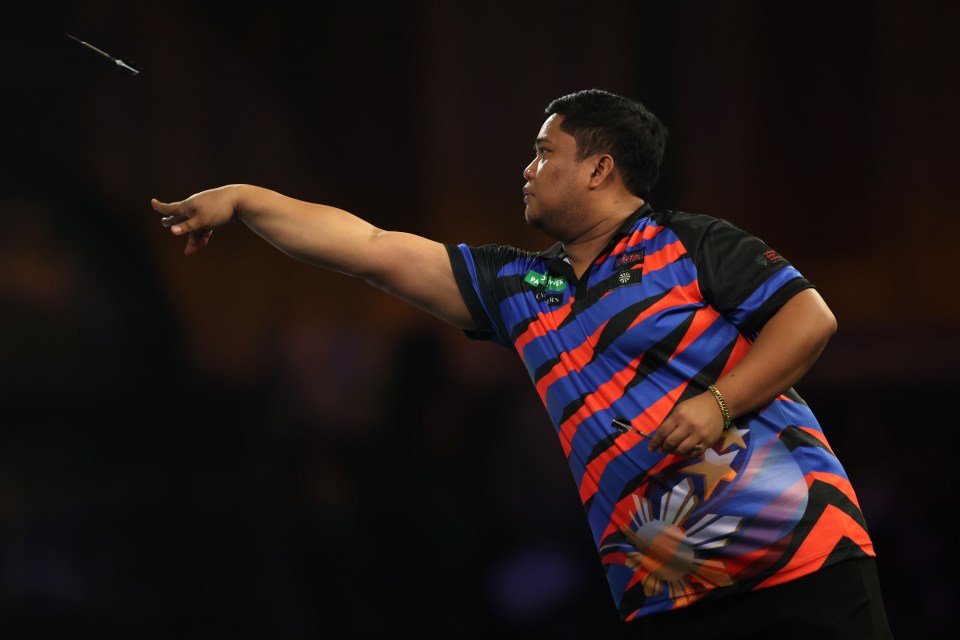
(669, 550)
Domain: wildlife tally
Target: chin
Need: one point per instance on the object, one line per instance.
(540, 225)
(529, 216)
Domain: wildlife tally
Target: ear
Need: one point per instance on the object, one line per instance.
(602, 169)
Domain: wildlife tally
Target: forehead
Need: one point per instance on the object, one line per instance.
(551, 132)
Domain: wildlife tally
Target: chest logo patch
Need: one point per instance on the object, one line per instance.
(630, 267)
(543, 280)
(629, 257)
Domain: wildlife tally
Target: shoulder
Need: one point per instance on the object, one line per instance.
(501, 254)
(685, 220)
(695, 229)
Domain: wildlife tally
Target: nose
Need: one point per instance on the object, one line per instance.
(528, 170)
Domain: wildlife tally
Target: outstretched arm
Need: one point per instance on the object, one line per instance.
(787, 346)
(413, 268)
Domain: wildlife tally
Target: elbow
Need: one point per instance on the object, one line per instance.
(819, 318)
(810, 315)
(824, 329)
(829, 321)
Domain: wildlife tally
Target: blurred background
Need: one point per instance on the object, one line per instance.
(235, 444)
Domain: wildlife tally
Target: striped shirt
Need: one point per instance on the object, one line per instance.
(670, 305)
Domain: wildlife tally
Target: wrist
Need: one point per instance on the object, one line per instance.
(238, 196)
(724, 409)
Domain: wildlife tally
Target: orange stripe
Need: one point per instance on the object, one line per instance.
(816, 434)
(649, 421)
(663, 256)
(619, 248)
(834, 480)
(649, 232)
(544, 322)
(832, 526)
(569, 362)
(689, 293)
(703, 319)
(609, 391)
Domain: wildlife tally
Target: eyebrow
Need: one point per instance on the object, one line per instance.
(538, 143)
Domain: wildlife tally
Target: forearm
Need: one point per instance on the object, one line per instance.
(784, 351)
(411, 267)
(321, 235)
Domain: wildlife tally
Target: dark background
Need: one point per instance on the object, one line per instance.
(238, 445)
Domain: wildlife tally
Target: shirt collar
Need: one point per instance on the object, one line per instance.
(627, 225)
(556, 252)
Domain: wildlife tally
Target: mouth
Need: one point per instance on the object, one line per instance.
(526, 194)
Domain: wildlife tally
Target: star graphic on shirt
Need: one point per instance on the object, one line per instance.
(624, 277)
(714, 468)
(733, 436)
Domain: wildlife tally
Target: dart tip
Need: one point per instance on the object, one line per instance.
(127, 67)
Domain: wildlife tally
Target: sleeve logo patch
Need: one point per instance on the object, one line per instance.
(768, 257)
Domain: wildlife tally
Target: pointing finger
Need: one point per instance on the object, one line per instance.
(164, 207)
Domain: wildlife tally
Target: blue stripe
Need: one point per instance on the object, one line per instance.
(766, 290)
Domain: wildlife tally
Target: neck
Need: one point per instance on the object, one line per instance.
(587, 245)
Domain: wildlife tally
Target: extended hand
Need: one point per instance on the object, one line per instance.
(198, 215)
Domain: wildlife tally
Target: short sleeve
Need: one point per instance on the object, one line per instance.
(739, 274)
(476, 270)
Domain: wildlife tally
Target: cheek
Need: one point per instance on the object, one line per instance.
(564, 173)
(561, 179)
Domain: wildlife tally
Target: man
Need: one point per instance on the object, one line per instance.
(664, 346)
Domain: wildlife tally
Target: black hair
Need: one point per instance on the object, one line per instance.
(603, 122)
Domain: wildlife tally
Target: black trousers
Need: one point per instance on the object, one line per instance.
(842, 602)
